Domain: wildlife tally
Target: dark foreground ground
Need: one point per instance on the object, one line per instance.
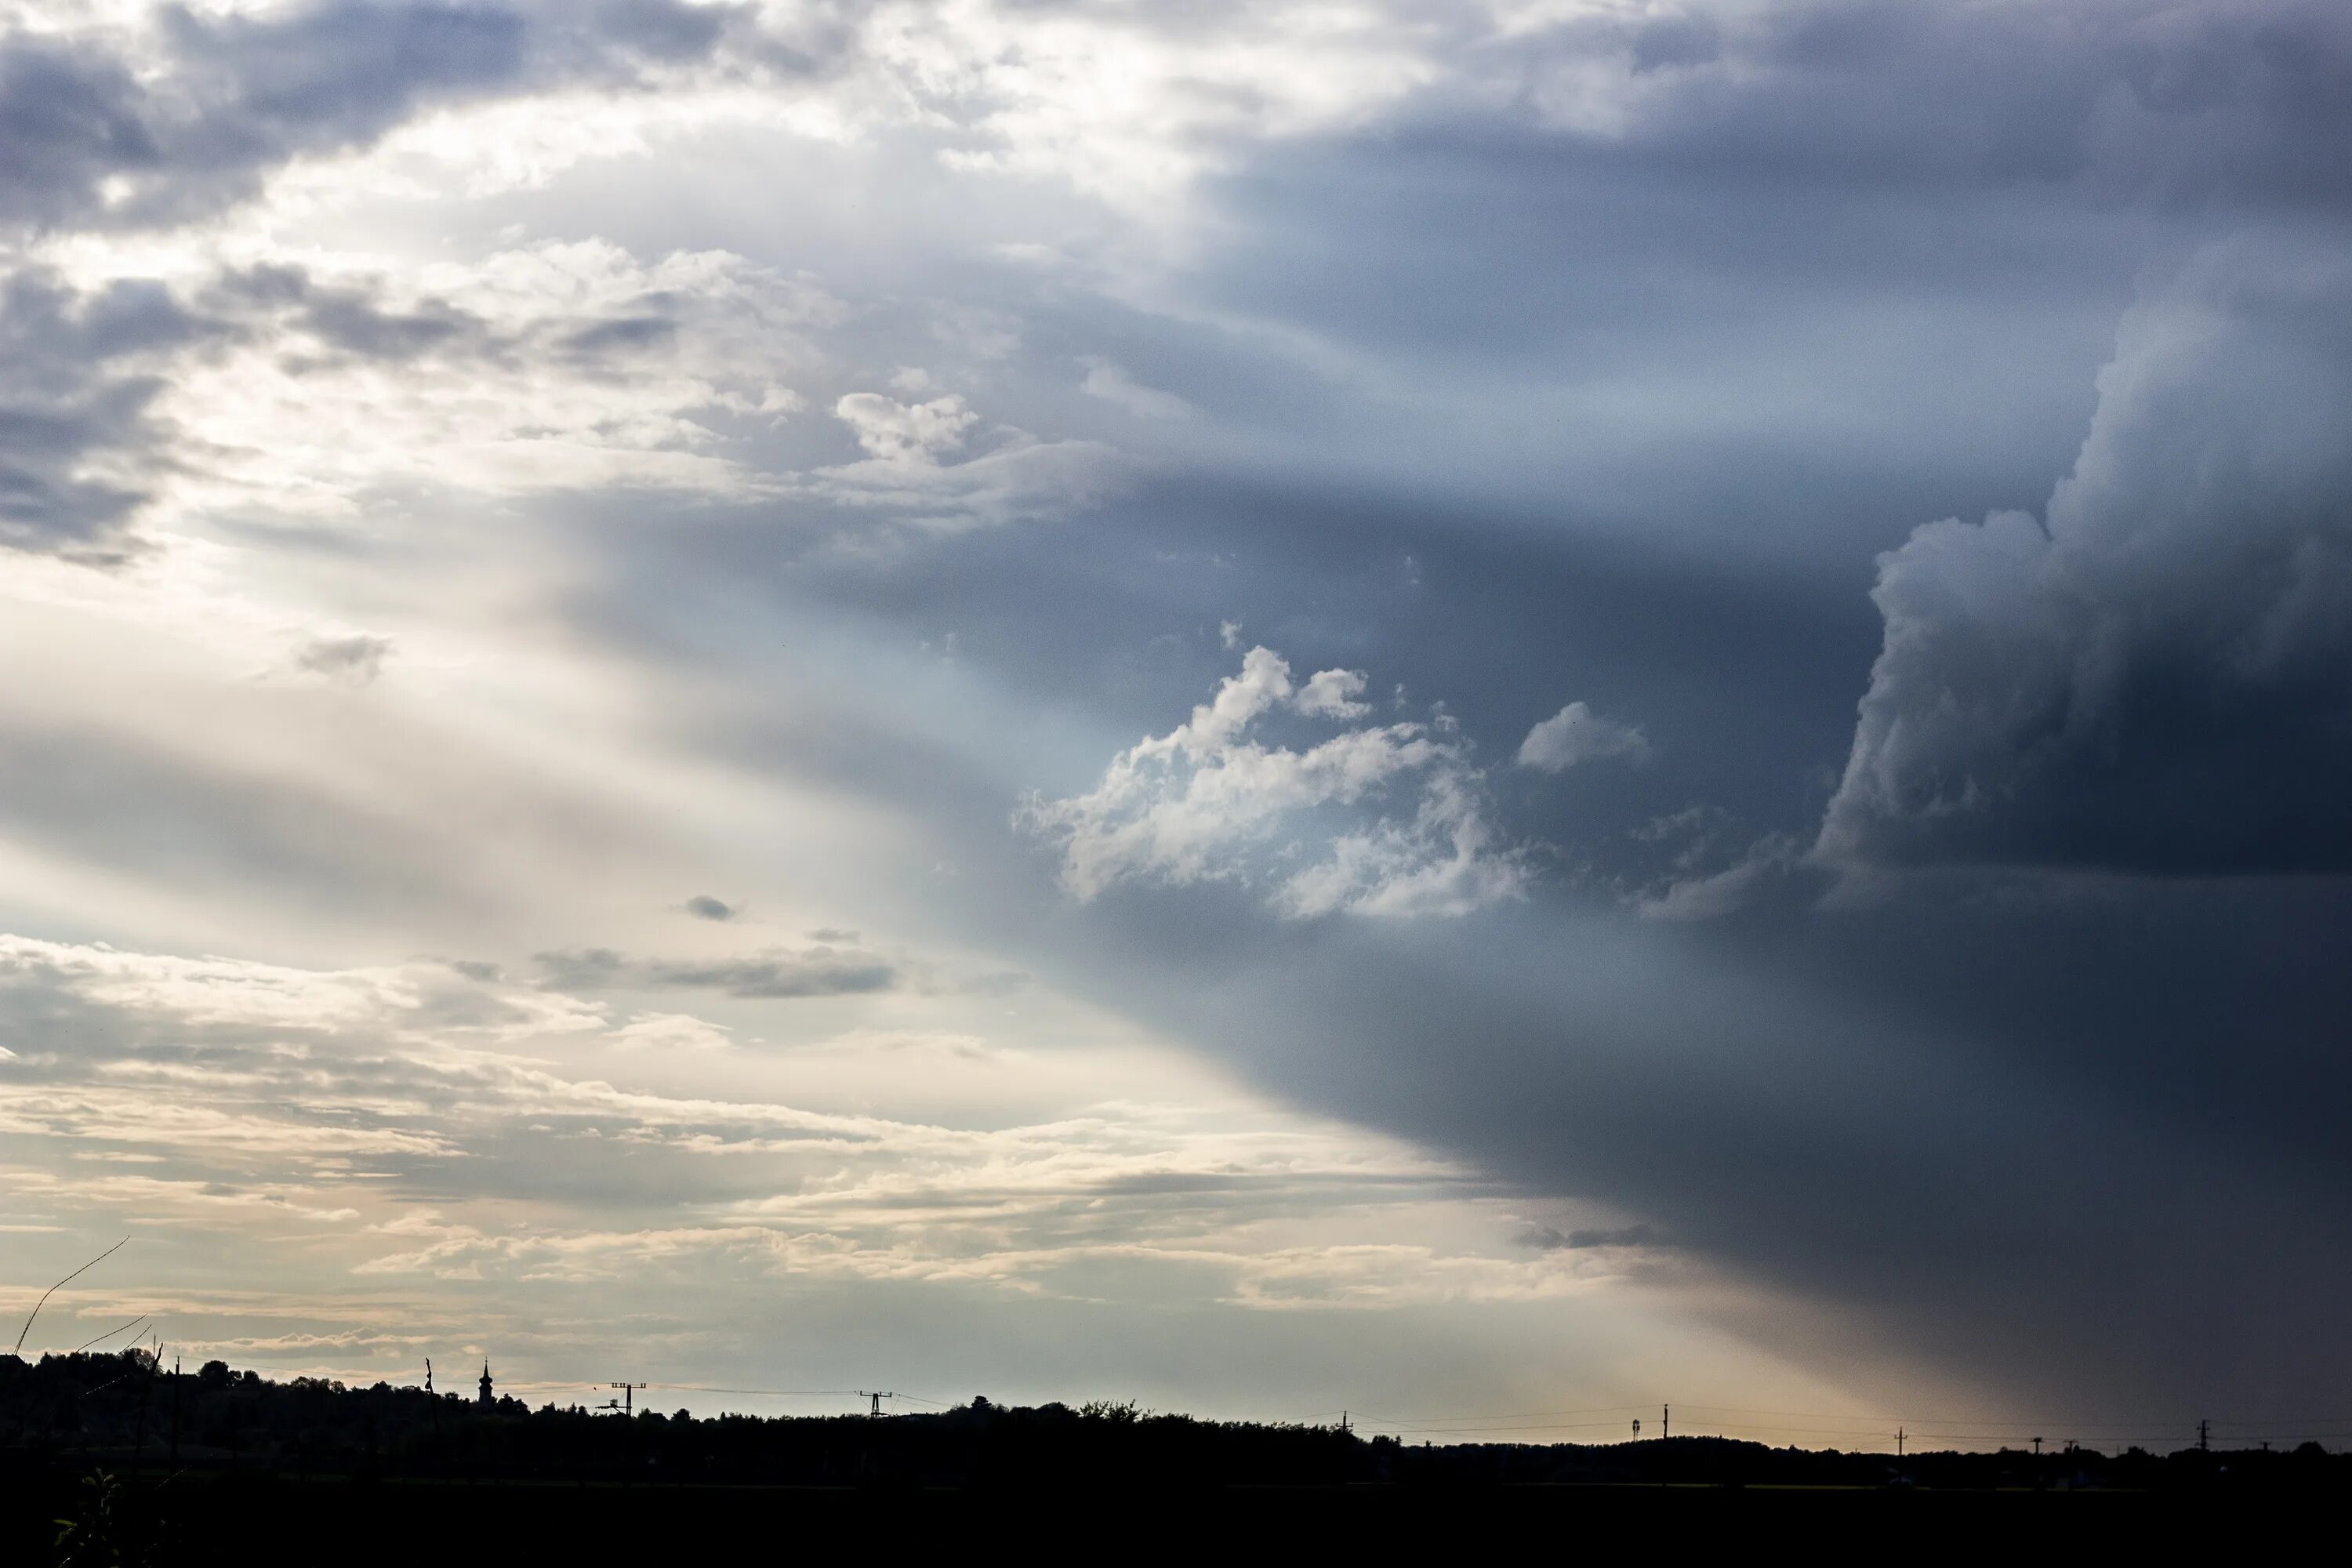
(206, 1520)
(140, 1463)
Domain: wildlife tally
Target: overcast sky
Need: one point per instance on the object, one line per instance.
(1444, 709)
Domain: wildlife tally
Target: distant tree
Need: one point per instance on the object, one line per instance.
(1121, 1413)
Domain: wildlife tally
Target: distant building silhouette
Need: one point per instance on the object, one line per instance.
(487, 1400)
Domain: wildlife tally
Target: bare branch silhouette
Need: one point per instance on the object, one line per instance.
(60, 1285)
(111, 1332)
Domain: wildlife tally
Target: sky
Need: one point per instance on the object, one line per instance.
(1485, 712)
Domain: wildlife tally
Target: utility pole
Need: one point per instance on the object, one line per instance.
(2037, 1447)
(1637, 1429)
(2204, 1437)
(155, 1359)
(1898, 1442)
(877, 1398)
(176, 1412)
(432, 1402)
(628, 1395)
(1665, 1421)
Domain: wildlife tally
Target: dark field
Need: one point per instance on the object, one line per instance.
(222, 1520)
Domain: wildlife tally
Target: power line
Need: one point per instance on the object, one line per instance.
(2040, 1421)
(111, 1333)
(60, 1285)
(1463, 1431)
(1866, 1424)
(774, 1392)
(790, 1393)
(1895, 1433)
(1438, 1421)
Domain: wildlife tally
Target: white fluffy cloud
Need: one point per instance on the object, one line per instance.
(1576, 735)
(915, 435)
(1210, 801)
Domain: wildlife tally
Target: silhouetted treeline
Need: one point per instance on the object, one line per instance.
(86, 1412)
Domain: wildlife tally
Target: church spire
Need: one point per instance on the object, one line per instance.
(486, 1384)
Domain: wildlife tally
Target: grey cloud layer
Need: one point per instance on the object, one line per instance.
(822, 970)
(2135, 98)
(2132, 95)
(99, 135)
(82, 449)
(552, 367)
(78, 443)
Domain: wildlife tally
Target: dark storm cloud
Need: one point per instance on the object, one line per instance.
(703, 907)
(2156, 675)
(1847, 269)
(233, 98)
(1968, 1090)
(2068, 1149)
(1852, 146)
(1796, 1138)
(2100, 1174)
(2070, 1138)
(822, 970)
(2129, 97)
